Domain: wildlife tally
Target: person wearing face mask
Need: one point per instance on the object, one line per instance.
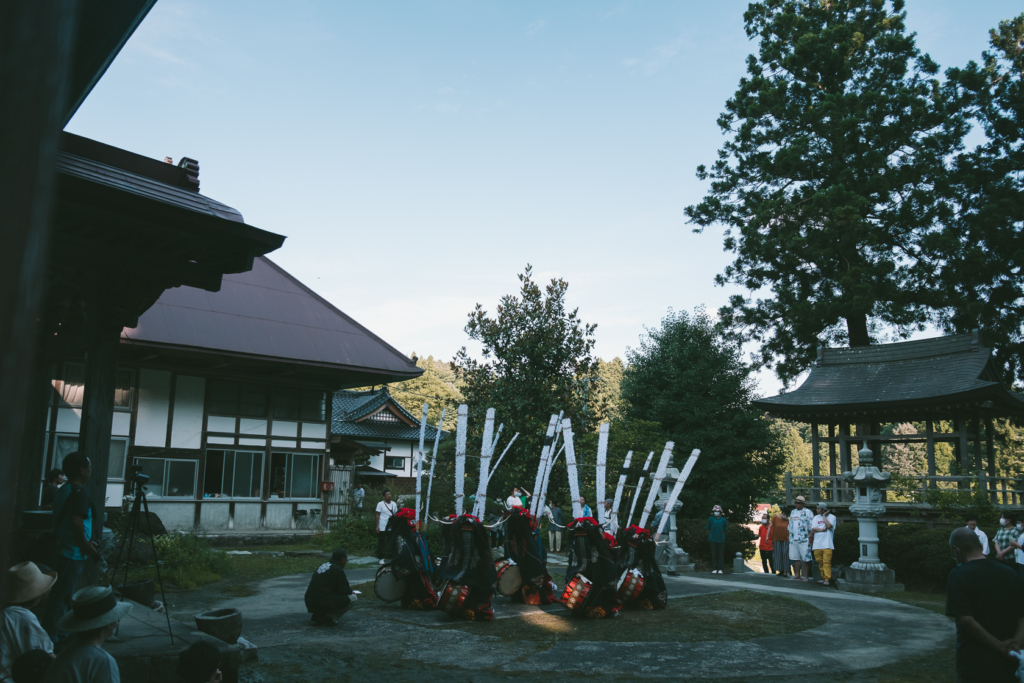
(987, 601)
(1018, 548)
(1004, 541)
(972, 524)
(716, 526)
(764, 545)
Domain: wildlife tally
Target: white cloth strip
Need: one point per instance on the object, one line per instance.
(545, 454)
(514, 437)
(460, 458)
(485, 464)
(433, 461)
(419, 461)
(602, 466)
(636, 496)
(652, 495)
(622, 483)
(570, 463)
(677, 489)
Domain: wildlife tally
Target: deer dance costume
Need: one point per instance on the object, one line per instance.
(592, 563)
(413, 561)
(523, 546)
(469, 569)
(642, 586)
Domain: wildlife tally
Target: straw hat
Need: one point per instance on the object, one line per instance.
(800, 499)
(25, 582)
(93, 608)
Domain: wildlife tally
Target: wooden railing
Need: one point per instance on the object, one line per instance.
(1002, 491)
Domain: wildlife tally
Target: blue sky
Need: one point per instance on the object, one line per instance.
(419, 154)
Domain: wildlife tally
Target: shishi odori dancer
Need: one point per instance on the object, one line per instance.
(524, 574)
(407, 578)
(468, 568)
(641, 585)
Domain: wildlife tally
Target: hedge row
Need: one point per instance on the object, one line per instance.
(920, 556)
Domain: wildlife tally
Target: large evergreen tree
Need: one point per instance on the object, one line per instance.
(690, 379)
(976, 260)
(836, 140)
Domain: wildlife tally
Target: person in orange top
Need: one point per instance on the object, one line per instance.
(764, 544)
(780, 543)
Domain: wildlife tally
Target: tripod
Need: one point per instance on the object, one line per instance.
(129, 535)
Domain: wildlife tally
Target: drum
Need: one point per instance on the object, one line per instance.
(453, 597)
(631, 585)
(575, 593)
(388, 587)
(509, 578)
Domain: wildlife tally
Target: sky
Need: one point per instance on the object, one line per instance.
(418, 155)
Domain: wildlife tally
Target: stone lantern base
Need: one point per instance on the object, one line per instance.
(869, 581)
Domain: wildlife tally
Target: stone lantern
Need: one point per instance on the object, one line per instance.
(868, 574)
(683, 563)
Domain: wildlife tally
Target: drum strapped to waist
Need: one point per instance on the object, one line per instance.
(575, 594)
(388, 587)
(453, 598)
(510, 580)
(631, 585)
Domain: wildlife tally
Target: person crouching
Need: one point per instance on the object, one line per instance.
(329, 594)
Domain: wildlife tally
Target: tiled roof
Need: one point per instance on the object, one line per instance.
(945, 371)
(350, 406)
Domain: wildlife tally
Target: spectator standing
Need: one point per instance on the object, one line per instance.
(1019, 548)
(823, 529)
(799, 539)
(1004, 541)
(611, 521)
(20, 631)
(987, 601)
(765, 545)
(972, 523)
(586, 508)
(54, 480)
(359, 494)
(72, 511)
(716, 526)
(328, 592)
(556, 527)
(524, 495)
(92, 620)
(514, 500)
(780, 542)
(385, 509)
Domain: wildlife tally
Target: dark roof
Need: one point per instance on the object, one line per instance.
(367, 471)
(351, 406)
(941, 374)
(267, 314)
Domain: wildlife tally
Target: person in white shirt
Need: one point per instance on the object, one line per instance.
(20, 631)
(385, 509)
(514, 500)
(823, 528)
(611, 523)
(972, 524)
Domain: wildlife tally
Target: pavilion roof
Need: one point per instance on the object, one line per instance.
(904, 380)
(353, 417)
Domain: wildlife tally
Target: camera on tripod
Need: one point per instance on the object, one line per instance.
(136, 476)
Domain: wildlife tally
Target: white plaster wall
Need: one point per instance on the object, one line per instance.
(175, 516)
(115, 492)
(279, 516)
(282, 428)
(247, 516)
(154, 407)
(122, 425)
(314, 430)
(215, 423)
(187, 425)
(213, 516)
(251, 427)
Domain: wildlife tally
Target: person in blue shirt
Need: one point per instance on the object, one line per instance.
(72, 524)
(586, 508)
(717, 525)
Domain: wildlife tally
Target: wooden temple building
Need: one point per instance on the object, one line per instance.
(949, 385)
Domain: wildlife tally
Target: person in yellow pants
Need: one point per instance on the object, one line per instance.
(823, 528)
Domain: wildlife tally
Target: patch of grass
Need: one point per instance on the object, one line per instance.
(934, 601)
(736, 615)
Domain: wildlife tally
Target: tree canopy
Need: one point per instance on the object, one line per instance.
(836, 141)
(692, 381)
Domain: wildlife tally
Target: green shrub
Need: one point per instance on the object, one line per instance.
(188, 562)
(355, 534)
(920, 556)
(692, 536)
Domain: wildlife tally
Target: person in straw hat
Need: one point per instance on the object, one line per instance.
(20, 631)
(91, 621)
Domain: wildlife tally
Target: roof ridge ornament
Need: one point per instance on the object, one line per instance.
(190, 174)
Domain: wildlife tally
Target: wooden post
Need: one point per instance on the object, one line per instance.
(815, 462)
(962, 454)
(98, 408)
(929, 430)
(844, 458)
(831, 450)
(789, 488)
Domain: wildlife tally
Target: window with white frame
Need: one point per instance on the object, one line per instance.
(391, 463)
(233, 474)
(68, 443)
(71, 387)
(169, 478)
(294, 475)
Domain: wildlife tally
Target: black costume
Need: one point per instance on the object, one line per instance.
(328, 592)
(467, 562)
(523, 546)
(639, 551)
(590, 556)
(413, 561)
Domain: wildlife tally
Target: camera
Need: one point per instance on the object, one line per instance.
(136, 476)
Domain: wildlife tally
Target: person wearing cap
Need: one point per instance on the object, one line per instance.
(328, 592)
(385, 509)
(799, 539)
(823, 529)
(20, 631)
(716, 527)
(91, 620)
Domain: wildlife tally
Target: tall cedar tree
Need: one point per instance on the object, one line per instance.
(693, 381)
(836, 140)
(537, 356)
(976, 262)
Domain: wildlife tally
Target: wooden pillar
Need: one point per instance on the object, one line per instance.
(929, 430)
(990, 452)
(815, 462)
(832, 450)
(98, 407)
(35, 52)
(844, 457)
(962, 455)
